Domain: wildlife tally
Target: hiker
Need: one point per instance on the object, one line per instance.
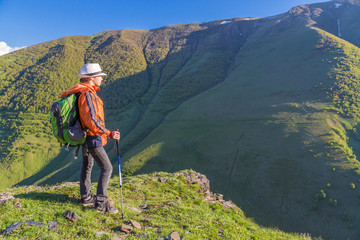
(92, 119)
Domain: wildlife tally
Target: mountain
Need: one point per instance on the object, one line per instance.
(267, 108)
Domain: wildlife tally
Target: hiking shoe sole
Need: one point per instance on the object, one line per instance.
(110, 211)
(87, 204)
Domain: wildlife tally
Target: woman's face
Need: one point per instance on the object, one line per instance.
(97, 81)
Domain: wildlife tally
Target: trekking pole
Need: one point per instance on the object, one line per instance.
(120, 180)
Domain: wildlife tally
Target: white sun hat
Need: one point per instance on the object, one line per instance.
(91, 70)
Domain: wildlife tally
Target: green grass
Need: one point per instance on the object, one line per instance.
(171, 206)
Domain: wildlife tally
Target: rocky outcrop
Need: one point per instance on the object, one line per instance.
(193, 177)
(4, 197)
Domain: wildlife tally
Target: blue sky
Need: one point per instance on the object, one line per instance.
(28, 22)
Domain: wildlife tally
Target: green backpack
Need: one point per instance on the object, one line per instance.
(65, 121)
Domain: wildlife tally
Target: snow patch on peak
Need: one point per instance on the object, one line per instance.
(225, 22)
(337, 5)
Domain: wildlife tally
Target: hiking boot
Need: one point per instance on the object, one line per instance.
(88, 201)
(106, 208)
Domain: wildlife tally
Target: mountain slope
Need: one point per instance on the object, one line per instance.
(269, 96)
(267, 145)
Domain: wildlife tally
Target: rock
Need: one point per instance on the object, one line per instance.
(135, 209)
(209, 199)
(33, 187)
(52, 226)
(123, 236)
(207, 193)
(4, 197)
(71, 215)
(144, 206)
(174, 236)
(218, 196)
(17, 205)
(11, 228)
(135, 224)
(161, 179)
(126, 228)
(37, 224)
(200, 179)
(228, 204)
(98, 234)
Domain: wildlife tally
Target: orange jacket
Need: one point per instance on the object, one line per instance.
(91, 113)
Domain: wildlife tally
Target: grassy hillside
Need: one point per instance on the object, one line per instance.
(267, 108)
(160, 207)
(275, 134)
(31, 80)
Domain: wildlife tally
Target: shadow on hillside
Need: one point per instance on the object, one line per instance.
(64, 165)
(66, 169)
(42, 196)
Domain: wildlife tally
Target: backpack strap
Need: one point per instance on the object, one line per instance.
(66, 146)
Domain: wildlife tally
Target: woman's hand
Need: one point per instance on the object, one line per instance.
(115, 135)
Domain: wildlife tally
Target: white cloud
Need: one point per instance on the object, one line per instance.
(5, 49)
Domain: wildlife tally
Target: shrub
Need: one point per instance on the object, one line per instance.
(320, 195)
(333, 202)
